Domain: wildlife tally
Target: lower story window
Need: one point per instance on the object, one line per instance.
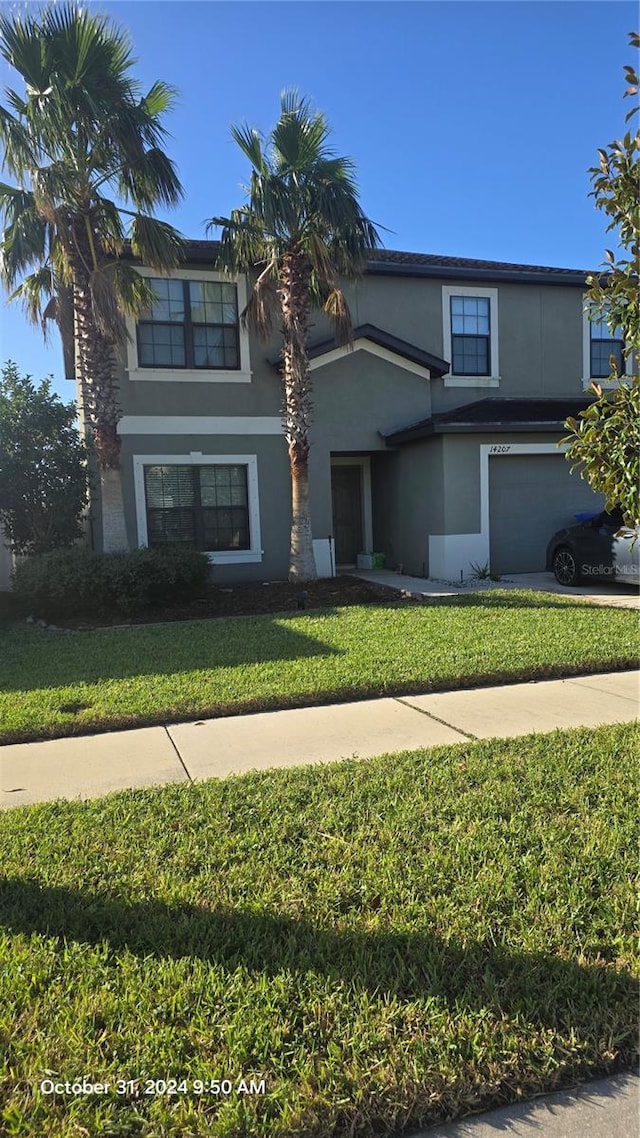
(203, 506)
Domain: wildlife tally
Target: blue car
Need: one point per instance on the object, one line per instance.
(597, 549)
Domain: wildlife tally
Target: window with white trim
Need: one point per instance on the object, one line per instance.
(205, 506)
(470, 335)
(603, 345)
(192, 324)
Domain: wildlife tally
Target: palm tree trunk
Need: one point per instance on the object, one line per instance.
(95, 365)
(294, 296)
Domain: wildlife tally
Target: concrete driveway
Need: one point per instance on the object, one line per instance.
(624, 596)
(601, 593)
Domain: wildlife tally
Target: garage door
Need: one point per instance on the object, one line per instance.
(530, 497)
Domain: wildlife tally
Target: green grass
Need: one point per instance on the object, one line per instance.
(63, 683)
(386, 943)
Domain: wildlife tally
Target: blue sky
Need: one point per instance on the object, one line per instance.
(472, 123)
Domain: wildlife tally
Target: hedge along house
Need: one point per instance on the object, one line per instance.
(435, 437)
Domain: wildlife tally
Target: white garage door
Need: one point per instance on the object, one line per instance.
(530, 497)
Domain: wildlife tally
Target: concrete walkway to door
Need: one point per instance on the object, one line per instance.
(620, 596)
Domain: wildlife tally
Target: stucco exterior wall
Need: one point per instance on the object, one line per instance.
(273, 493)
(357, 397)
(461, 475)
(408, 504)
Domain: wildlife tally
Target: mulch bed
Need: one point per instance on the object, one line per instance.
(252, 599)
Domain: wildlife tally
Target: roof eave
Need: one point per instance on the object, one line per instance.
(440, 272)
(400, 438)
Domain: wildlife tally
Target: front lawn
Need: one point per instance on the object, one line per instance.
(61, 683)
(386, 943)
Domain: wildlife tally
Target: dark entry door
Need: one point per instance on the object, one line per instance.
(346, 497)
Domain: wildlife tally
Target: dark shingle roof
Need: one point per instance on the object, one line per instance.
(534, 415)
(403, 348)
(396, 262)
(435, 260)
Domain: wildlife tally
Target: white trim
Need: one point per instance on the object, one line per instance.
(587, 380)
(183, 375)
(324, 554)
(364, 462)
(475, 381)
(450, 554)
(187, 375)
(450, 380)
(253, 555)
(364, 345)
(200, 425)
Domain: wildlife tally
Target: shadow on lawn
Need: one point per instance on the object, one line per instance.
(67, 658)
(544, 989)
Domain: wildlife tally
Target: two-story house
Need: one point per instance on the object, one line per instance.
(435, 438)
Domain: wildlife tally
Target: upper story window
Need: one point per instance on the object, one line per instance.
(603, 345)
(470, 335)
(192, 325)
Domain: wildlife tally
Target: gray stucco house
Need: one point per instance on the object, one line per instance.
(434, 438)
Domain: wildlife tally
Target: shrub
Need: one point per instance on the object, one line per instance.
(77, 581)
(43, 474)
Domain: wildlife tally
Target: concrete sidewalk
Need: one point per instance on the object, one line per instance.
(90, 766)
(607, 1108)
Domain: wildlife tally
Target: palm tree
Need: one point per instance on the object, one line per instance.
(81, 132)
(301, 230)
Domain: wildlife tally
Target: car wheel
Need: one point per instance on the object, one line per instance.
(565, 568)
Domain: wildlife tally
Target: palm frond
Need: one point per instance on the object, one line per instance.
(337, 310)
(86, 49)
(155, 242)
(107, 312)
(319, 255)
(24, 242)
(299, 138)
(35, 292)
(250, 142)
(242, 242)
(20, 151)
(263, 302)
(135, 294)
(21, 46)
(151, 180)
(106, 220)
(160, 98)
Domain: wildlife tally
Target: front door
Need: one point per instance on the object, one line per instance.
(346, 498)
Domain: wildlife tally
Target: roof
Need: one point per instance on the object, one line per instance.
(498, 415)
(396, 262)
(398, 347)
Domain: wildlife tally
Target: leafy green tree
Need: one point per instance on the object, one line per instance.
(43, 472)
(301, 231)
(82, 143)
(604, 443)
